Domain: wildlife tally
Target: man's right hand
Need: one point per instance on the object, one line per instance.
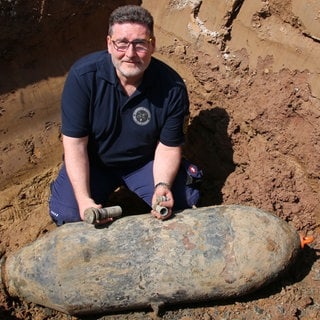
(85, 204)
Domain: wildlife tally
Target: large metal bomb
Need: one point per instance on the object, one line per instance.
(138, 261)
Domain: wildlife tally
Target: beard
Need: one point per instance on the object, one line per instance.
(131, 69)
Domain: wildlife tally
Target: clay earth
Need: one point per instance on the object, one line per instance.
(252, 71)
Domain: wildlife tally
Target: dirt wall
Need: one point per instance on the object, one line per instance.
(288, 31)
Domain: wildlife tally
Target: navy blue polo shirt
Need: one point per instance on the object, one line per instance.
(123, 131)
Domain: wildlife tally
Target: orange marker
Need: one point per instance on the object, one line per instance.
(305, 240)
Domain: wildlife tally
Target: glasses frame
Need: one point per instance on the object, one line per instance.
(134, 43)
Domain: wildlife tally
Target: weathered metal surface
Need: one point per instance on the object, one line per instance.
(94, 215)
(138, 261)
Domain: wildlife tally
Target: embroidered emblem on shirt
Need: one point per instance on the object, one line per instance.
(141, 116)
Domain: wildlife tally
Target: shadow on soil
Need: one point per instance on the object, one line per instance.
(209, 146)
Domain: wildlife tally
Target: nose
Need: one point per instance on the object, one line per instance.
(131, 51)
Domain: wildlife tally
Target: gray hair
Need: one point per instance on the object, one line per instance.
(131, 14)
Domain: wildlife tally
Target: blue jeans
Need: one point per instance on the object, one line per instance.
(63, 206)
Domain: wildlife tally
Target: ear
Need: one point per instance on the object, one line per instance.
(108, 41)
(153, 44)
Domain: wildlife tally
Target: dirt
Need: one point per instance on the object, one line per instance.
(252, 71)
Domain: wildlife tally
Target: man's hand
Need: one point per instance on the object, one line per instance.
(89, 203)
(165, 167)
(85, 204)
(162, 197)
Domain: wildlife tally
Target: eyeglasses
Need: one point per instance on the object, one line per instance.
(139, 45)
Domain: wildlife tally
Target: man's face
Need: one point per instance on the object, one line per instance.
(131, 48)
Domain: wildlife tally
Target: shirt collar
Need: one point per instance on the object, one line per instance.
(106, 70)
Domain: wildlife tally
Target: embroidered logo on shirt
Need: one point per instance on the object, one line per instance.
(141, 116)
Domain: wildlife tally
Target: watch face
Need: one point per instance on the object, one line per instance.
(141, 116)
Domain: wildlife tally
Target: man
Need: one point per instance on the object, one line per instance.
(123, 113)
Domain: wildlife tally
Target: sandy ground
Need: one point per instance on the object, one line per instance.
(252, 73)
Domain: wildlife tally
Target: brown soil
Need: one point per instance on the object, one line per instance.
(252, 72)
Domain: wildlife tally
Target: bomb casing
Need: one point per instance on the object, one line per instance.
(137, 261)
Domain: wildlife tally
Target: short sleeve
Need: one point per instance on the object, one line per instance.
(172, 133)
(75, 106)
